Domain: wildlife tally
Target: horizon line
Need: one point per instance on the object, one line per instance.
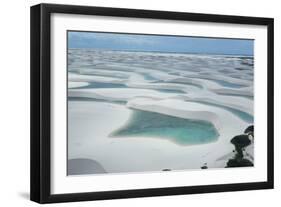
(158, 51)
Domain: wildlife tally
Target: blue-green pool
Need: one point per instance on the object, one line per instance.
(225, 83)
(104, 85)
(178, 130)
(148, 77)
(241, 114)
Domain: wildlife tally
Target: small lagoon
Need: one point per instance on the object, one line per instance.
(121, 85)
(241, 114)
(104, 85)
(225, 83)
(178, 130)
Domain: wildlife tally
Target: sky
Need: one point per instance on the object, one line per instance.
(161, 43)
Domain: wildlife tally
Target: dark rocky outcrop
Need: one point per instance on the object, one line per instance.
(239, 163)
(204, 166)
(249, 130)
(240, 142)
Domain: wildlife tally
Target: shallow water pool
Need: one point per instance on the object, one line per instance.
(178, 130)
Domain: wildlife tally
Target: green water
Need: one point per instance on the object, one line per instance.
(250, 97)
(148, 77)
(96, 100)
(178, 130)
(104, 85)
(241, 114)
(170, 91)
(228, 84)
(225, 83)
(120, 85)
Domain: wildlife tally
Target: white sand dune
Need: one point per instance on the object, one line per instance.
(115, 74)
(77, 84)
(118, 94)
(73, 77)
(145, 77)
(135, 154)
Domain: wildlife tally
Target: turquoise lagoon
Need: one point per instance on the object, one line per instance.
(178, 130)
(241, 114)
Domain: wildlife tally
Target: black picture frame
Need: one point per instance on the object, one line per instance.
(41, 102)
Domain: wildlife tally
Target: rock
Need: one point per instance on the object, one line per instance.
(166, 170)
(249, 130)
(241, 141)
(239, 163)
(204, 166)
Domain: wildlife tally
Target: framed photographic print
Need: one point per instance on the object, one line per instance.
(132, 103)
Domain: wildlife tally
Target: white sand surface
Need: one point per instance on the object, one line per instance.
(73, 77)
(118, 94)
(77, 84)
(145, 154)
(203, 98)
